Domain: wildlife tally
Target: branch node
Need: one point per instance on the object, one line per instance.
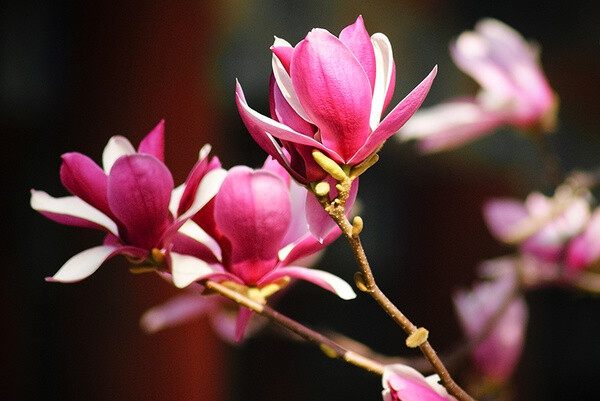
(417, 338)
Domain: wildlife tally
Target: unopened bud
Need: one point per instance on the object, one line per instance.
(360, 282)
(417, 338)
(327, 350)
(322, 189)
(357, 226)
(329, 165)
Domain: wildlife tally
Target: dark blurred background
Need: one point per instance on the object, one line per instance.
(72, 74)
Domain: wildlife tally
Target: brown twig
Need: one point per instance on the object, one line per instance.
(329, 347)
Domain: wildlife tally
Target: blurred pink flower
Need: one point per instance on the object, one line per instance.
(514, 91)
(541, 226)
(497, 355)
(132, 199)
(329, 93)
(259, 232)
(403, 383)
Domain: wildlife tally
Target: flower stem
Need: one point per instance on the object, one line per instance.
(329, 347)
(366, 282)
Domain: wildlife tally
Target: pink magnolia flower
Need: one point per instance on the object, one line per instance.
(542, 226)
(258, 231)
(497, 355)
(514, 91)
(329, 93)
(403, 383)
(132, 199)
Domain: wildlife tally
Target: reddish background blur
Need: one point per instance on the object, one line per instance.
(74, 74)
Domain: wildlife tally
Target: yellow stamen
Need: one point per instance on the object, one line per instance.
(329, 165)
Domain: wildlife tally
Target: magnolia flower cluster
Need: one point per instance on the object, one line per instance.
(244, 227)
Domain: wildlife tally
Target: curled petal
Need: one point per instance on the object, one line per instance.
(71, 210)
(154, 143)
(187, 269)
(84, 264)
(321, 278)
(397, 117)
(384, 85)
(116, 147)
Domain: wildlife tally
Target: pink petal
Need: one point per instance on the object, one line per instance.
(450, 124)
(177, 310)
(86, 180)
(357, 39)
(321, 278)
(243, 318)
(283, 51)
(83, 264)
(401, 382)
(585, 248)
(334, 90)
(252, 210)
(397, 117)
(503, 216)
(72, 211)
(320, 223)
(154, 143)
(139, 190)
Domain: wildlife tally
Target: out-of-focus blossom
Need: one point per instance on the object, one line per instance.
(329, 93)
(498, 353)
(542, 226)
(403, 383)
(132, 199)
(584, 250)
(192, 305)
(259, 233)
(514, 91)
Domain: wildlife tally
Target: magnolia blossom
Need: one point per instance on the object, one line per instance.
(403, 383)
(132, 199)
(542, 226)
(258, 232)
(514, 91)
(497, 355)
(328, 93)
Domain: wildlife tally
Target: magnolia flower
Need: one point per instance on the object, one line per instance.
(403, 383)
(329, 93)
(131, 198)
(514, 91)
(258, 232)
(542, 226)
(497, 355)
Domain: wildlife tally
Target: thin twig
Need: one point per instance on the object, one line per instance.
(336, 209)
(329, 347)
